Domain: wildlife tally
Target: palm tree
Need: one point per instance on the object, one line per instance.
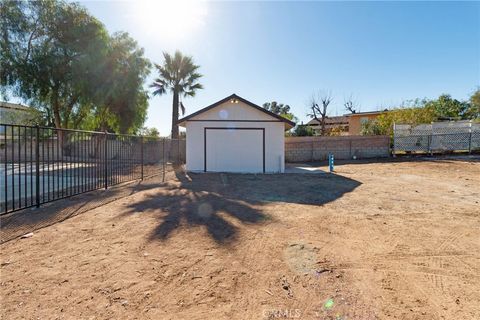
(179, 75)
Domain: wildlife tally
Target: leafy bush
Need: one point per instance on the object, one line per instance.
(303, 131)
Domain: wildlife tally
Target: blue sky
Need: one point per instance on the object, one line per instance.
(382, 53)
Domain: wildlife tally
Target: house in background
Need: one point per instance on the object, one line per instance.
(13, 113)
(337, 124)
(356, 119)
(346, 125)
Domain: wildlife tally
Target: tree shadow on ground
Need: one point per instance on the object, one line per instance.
(212, 199)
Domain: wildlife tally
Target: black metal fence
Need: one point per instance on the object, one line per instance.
(41, 164)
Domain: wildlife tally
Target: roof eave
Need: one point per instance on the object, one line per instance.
(366, 113)
(182, 122)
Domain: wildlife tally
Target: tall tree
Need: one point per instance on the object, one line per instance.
(280, 109)
(474, 110)
(61, 60)
(179, 74)
(318, 109)
(446, 107)
(120, 102)
(475, 98)
(49, 52)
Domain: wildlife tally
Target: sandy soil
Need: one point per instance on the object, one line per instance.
(393, 240)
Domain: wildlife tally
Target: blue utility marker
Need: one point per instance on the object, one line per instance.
(330, 162)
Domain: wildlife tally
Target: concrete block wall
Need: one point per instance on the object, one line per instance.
(304, 149)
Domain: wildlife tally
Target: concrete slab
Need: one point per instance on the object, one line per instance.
(303, 168)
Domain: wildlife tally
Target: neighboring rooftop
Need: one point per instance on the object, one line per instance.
(330, 121)
(13, 106)
(366, 113)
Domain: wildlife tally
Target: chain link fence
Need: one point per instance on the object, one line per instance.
(40, 164)
(451, 136)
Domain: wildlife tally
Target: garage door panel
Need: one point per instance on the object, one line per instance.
(234, 150)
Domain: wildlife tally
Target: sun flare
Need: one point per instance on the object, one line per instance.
(170, 19)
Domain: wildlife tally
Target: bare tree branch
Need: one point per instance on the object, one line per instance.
(350, 104)
(319, 106)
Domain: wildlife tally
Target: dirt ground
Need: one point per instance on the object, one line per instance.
(390, 240)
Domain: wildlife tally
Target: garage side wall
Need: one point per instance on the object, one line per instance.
(274, 143)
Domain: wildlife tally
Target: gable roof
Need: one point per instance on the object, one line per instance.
(248, 103)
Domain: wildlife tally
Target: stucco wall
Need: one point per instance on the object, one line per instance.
(227, 115)
(355, 122)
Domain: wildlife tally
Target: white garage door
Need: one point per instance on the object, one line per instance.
(234, 149)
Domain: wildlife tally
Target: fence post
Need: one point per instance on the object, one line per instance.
(105, 168)
(37, 166)
(470, 141)
(394, 154)
(141, 155)
(163, 161)
(429, 141)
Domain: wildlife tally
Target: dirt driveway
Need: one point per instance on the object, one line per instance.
(393, 240)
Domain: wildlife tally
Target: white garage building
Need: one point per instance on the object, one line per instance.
(235, 135)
